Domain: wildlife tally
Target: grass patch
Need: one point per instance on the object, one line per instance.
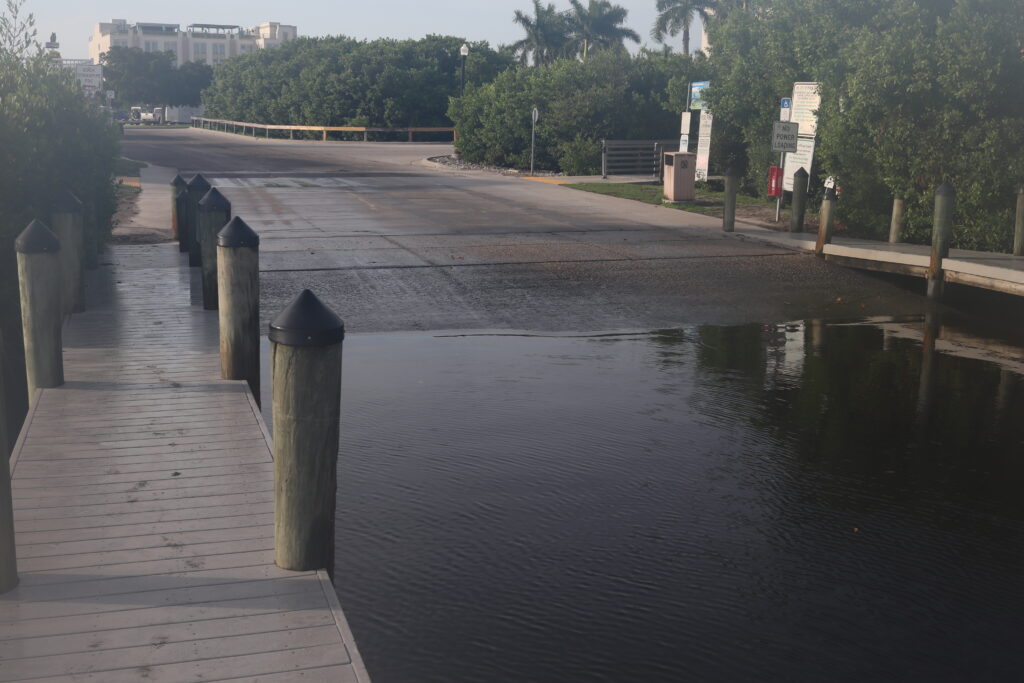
(128, 168)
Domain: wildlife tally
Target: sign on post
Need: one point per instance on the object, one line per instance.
(785, 108)
(697, 94)
(806, 101)
(803, 157)
(703, 144)
(784, 136)
(684, 132)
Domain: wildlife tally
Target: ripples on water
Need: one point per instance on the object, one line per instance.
(708, 504)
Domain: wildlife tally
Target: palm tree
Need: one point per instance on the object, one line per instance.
(675, 16)
(599, 24)
(547, 35)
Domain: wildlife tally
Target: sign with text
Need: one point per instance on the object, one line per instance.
(784, 136)
(703, 144)
(697, 94)
(803, 157)
(806, 101)
(684, 132)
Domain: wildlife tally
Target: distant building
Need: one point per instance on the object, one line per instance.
(209, 43)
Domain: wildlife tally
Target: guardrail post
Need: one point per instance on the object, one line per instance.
(177, 219)
(1018, 225)
(942, 235)
(197, 189)
(306, 340)
(8, 548)
(238, 286)
(731, 188)
(325, 135)
(796, 219)
(828, 208)
(67, 224)
(214, 214)
(39, 282)
(896, 222)
(604, 158)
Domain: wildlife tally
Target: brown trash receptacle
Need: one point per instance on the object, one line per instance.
(680, 175)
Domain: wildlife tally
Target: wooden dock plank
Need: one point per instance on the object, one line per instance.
(143, 494)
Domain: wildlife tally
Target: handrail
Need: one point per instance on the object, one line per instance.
(214, 124)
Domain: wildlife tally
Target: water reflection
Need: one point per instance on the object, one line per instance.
(802, 501)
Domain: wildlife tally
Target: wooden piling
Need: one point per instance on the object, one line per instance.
(796, 219)
(8, 549)
(1018, 225)
(197, 189)
(306, 340)
(238, 286)
(39, 282)
(214, 214)
(177, 219)
(942, 235)
(66, 222)
(896, 222)
(825, 216)
(731, 188)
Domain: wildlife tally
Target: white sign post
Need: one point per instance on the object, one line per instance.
(533, 136)
(684, 132)
(806, 100)
(703, 144)
(803, 157)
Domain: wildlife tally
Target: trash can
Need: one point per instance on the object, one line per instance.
(680, 174)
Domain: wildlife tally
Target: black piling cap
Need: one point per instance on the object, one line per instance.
(66, 202)
(37, 239)
(306, 321)
(237, 233)
(731, 172)
(830, 193)
(800, 172)
(214, 201)
(945, 188)
(179, 181)
(198, 183)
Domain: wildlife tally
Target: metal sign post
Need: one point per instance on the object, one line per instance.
(533, 137)
(785, 111)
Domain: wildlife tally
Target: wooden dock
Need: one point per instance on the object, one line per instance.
(143, 507)
(986, 270)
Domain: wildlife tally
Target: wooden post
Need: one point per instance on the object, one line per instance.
(325, 135)
(238, 287)
(197, 189)
(1018, 225)
(177, 185)
(291, 134)
(410, 135)
(306, 340)
(214, 214)
(41, 316)
(942, 235)
(828, 207)
(67, 224)
(731, 188)
(8, 549)
(181, 211)
(896, 222)
(796, 219)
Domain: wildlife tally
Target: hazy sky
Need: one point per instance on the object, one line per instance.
(490, 20)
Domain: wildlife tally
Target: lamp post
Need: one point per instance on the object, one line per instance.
(464, 51)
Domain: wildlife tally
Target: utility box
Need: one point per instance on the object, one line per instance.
(680, 175)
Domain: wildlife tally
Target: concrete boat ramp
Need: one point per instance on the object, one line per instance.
(143, 508)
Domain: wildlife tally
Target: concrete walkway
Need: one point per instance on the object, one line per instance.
(143, 504)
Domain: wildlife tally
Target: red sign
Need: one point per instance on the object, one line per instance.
(774, 181)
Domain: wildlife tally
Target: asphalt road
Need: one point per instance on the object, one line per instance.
(394, 243)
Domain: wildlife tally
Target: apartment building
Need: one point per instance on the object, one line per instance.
(209, 43)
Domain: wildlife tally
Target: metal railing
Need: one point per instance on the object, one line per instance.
(634, 157)
(244, 127)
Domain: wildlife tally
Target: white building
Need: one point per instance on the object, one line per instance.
(209, 43)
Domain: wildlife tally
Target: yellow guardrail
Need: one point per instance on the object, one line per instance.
(243, 127)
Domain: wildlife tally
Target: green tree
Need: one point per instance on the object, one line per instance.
(547, 35)
(138, 77)
(675, 17)
(599, 25)
(341, 81)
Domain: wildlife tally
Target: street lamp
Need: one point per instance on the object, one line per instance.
(464, 51)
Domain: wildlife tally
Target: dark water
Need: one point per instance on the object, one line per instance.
(780, 503)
